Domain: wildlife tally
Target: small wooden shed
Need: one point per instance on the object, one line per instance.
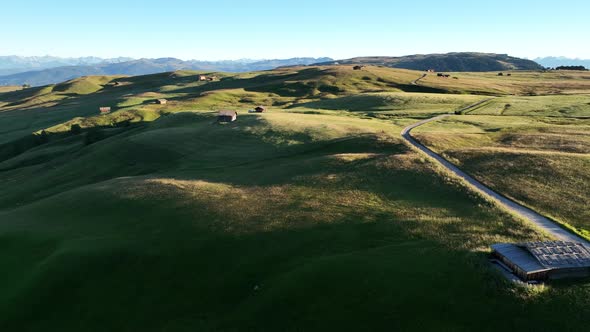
(227, 116)
(104, 110)
(260, 109)
(161, 101)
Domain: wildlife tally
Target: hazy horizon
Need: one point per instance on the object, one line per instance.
(269, 59)
(263, 29)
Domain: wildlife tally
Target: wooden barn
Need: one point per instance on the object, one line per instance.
(227, 116)
(104, 110)
(161, 101)
(540, 261)
(260, 109)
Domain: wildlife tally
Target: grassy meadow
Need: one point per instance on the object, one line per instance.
(569, 106)
(9, 88)
(540, 161)
(312, 216)
(519, 83)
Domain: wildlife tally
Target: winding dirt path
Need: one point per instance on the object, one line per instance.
(539, 220)
(415, 82)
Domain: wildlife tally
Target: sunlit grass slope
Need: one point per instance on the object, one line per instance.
(9, 88)
(541, 162)
(554, 106)
(330, 87)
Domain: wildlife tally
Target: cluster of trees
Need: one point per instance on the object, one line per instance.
(570, 68)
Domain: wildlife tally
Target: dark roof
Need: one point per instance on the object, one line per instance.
(544, 256)
(520, 257)
(560, 254)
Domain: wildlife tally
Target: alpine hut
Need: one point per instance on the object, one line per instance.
(227, 116)
(540, 261)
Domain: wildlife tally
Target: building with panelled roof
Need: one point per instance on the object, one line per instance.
(539, 261)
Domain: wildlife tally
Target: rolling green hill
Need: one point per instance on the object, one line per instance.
(122, 66)
(313, 216)
(455, 62)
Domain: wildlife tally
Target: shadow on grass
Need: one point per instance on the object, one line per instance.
(153, 264)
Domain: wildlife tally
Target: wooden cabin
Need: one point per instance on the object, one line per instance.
(104, 110)
(260, 109)
(540, 261)
(227, 116)
(161, 101)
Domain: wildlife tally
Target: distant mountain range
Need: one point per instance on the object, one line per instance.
(553, 62)
(13, 64)
(36, 71)
(124, 66)
(463, 61)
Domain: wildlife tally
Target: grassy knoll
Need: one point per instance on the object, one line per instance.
(313, 216)
(539, 161)
(396, 104)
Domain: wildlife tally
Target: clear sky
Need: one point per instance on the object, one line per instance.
(227, 29)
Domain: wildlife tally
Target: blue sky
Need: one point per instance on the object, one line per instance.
(224, 29)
